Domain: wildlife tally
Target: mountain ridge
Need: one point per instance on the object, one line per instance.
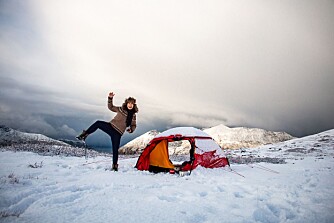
(226, 137)
(15, 140)
(10, 136)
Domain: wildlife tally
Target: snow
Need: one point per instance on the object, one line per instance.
(72, 189)
(240, 137)
(207, 145)
(8, 135)
(138, 144)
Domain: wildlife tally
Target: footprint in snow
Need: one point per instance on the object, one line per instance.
(238, 195)
(203, 194)
(166, 198)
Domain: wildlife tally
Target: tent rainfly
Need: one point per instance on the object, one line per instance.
(204, 151)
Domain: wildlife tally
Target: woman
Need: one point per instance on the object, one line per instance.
(125, 119)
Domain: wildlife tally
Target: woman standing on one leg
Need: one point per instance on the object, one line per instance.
(125, 119)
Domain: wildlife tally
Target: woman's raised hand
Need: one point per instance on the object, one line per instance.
(111, 94)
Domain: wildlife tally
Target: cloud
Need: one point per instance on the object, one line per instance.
(190, 120)
(258, 64)
(67, 130)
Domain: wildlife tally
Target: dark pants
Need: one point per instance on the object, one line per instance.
(114, 135)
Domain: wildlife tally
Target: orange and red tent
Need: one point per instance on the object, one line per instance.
(204, 151)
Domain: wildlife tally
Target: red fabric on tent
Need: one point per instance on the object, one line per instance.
(143, 162)
(210, 160)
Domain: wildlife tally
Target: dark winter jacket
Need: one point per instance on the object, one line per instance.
(119, 121)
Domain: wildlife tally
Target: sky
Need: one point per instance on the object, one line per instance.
(264, 64)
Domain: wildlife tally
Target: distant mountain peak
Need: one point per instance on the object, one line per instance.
(221, 127)
(226, 137)
(243, 137)
(11, 136)
(139, 143)
(15, 140)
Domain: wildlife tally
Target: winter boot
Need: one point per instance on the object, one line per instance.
(115, 167)
(82, 136)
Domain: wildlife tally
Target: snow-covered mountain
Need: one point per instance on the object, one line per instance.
(227, 138)
(14, 140)
(241, 137)
(10, 136)
(138, 144)
(319, 145)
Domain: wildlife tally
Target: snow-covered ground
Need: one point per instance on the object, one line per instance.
(35, 188)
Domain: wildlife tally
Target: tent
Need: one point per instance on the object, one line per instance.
(204, 151)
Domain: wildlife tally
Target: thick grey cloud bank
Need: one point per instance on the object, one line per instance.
(266, 64)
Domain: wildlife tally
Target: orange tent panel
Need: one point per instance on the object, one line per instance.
(159, 156)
